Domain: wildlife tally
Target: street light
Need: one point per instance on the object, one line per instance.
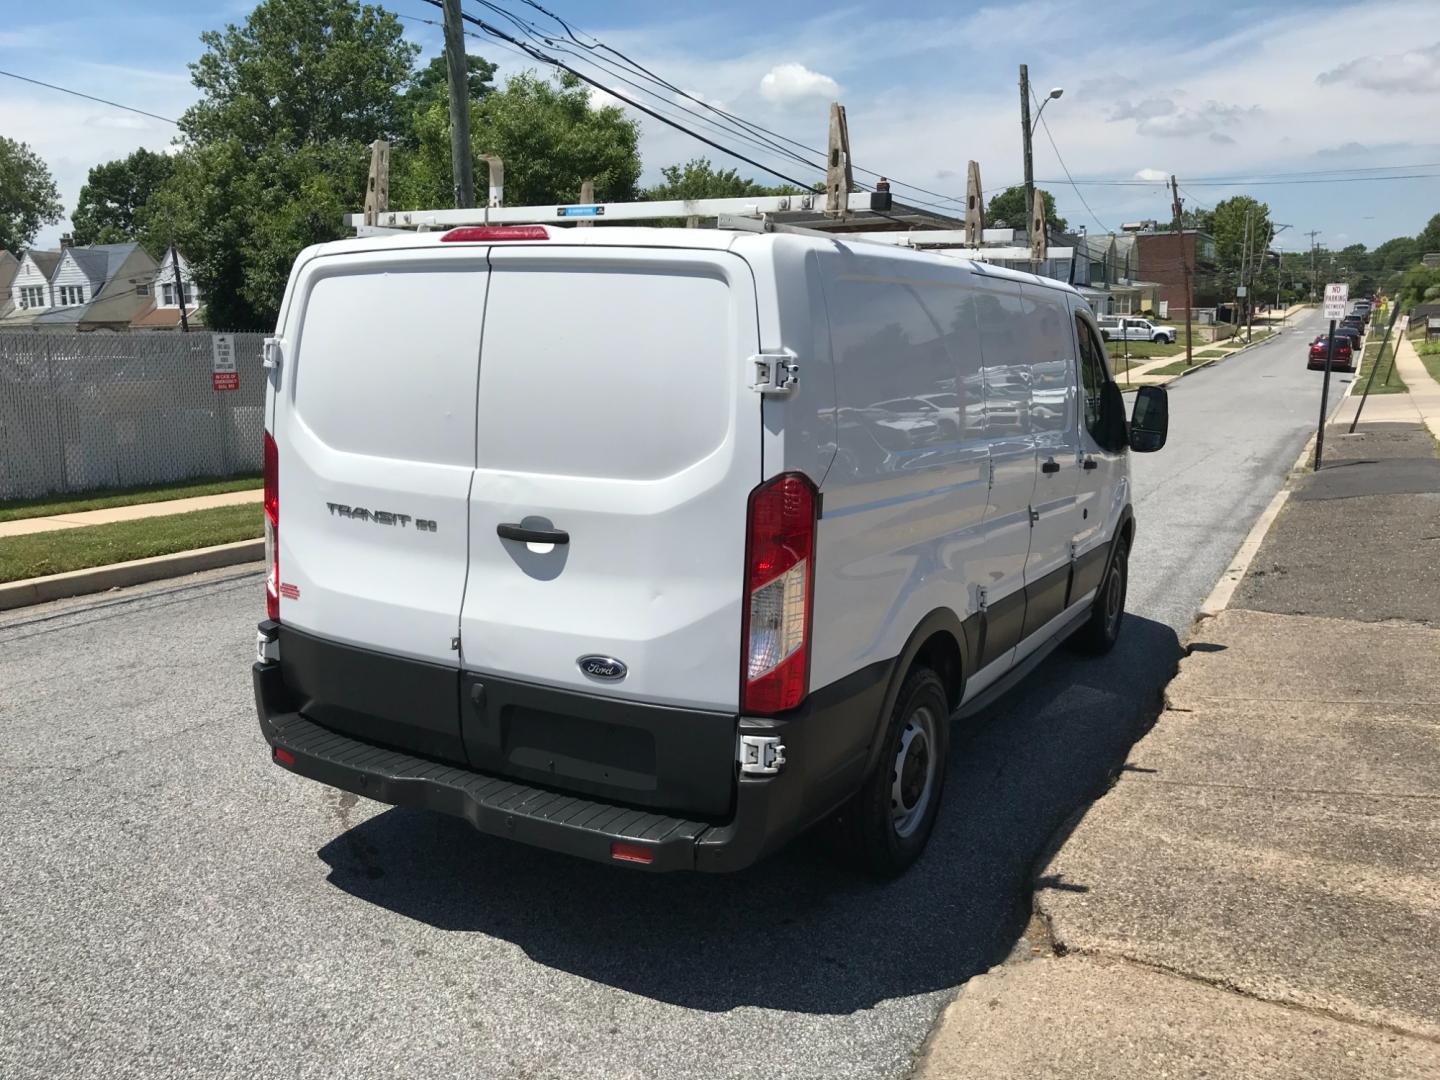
(1054, 95)
(1027, 130)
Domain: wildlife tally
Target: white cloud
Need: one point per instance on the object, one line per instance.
(1416, 71)
(795, 82)
(1152, 174)
(603, 99)
(1203, 119)
(1145, 109)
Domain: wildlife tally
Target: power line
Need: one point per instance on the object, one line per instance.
(759, 129)
(689, 115)
(1063, 166)
(90, 97)
(536, 54)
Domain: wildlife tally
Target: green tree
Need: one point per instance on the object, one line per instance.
(698, 179)
(301, 72)
(28, 198)
(1241, 226)
(431, 84)
(1429, 238)
(548, 135)
(1396, 254)
(111, 208)
(276, 148)
(1009, 206)
(1418, 284)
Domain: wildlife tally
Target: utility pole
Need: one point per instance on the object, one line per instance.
(179, 290)
(1244, 263)
(1025, 130)
(1312, 234)
(1184, 266)
(459, 68)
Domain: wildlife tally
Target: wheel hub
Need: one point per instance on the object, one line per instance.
(913, 774)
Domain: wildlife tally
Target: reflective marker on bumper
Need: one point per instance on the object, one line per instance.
(284, 757)
(631, 852)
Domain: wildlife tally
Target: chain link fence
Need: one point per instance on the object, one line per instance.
(84, 411)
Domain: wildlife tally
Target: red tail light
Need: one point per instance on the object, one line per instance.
(491, 233)
(272, 527)
(779, 593)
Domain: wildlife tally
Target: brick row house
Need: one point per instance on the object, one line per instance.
(98, 287)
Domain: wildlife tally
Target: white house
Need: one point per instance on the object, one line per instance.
(30, 288)
(163, 311)
(100, 287)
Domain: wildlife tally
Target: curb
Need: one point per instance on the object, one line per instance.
(38, 590)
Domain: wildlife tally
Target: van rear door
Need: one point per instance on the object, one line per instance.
(615, 409)
(375, 428)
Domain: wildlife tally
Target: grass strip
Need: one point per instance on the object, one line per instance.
(104, 499)
(59, 550)
(1396, 385)
(1175, 368)
(1147, 350)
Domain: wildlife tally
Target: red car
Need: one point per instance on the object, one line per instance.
(1344, 354)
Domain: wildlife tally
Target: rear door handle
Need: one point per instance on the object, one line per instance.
(1090, 463)
(510, 531)
(1050, 466)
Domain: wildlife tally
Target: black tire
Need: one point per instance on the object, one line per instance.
(1104, 335)
(871, 831)
(1107, 615)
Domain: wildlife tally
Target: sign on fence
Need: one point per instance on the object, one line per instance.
(223, 373)
(1337, 300)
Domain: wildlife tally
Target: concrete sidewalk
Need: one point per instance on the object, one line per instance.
(26, 526)
(1259, 894)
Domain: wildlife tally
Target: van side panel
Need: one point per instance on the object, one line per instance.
(1004, 335)
(799, 427)
(1049, 344)
(905, 496)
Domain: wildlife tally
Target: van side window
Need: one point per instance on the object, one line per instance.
(1048, 348)
(1093, 375)
(891, 350)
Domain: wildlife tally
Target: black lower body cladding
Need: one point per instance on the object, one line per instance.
(569, 772)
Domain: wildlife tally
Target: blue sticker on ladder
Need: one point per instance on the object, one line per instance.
(581, 211)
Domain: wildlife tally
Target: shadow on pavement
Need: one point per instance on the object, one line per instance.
(797, 932)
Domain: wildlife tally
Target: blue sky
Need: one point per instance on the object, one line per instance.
(1207, 91)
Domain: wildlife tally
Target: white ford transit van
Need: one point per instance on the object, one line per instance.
(659, 546)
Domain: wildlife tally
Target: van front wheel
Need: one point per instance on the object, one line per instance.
(885, 825)
(1102, 629)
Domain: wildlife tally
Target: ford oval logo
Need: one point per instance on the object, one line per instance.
(602, 667)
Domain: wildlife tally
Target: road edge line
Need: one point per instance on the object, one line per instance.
(1224, 590)
(40, 590)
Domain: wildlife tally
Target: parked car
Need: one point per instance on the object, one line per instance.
(570, 579)
(1125, 328)
(1357, 321)
(1355, 335)
(1344, 354)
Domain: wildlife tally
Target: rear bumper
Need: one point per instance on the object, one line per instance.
(767, 812)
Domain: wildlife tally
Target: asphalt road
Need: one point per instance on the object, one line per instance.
(171, 904)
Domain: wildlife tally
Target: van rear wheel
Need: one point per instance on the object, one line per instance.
(887, 822)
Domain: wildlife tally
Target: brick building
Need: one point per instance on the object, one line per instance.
(1158, 259)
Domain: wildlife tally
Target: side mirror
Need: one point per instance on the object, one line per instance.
(1150, 422)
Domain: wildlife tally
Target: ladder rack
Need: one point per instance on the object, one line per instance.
(865, 210)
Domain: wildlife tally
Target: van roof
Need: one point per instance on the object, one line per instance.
(660, 237)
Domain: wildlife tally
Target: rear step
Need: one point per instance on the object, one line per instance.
(532, 815)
